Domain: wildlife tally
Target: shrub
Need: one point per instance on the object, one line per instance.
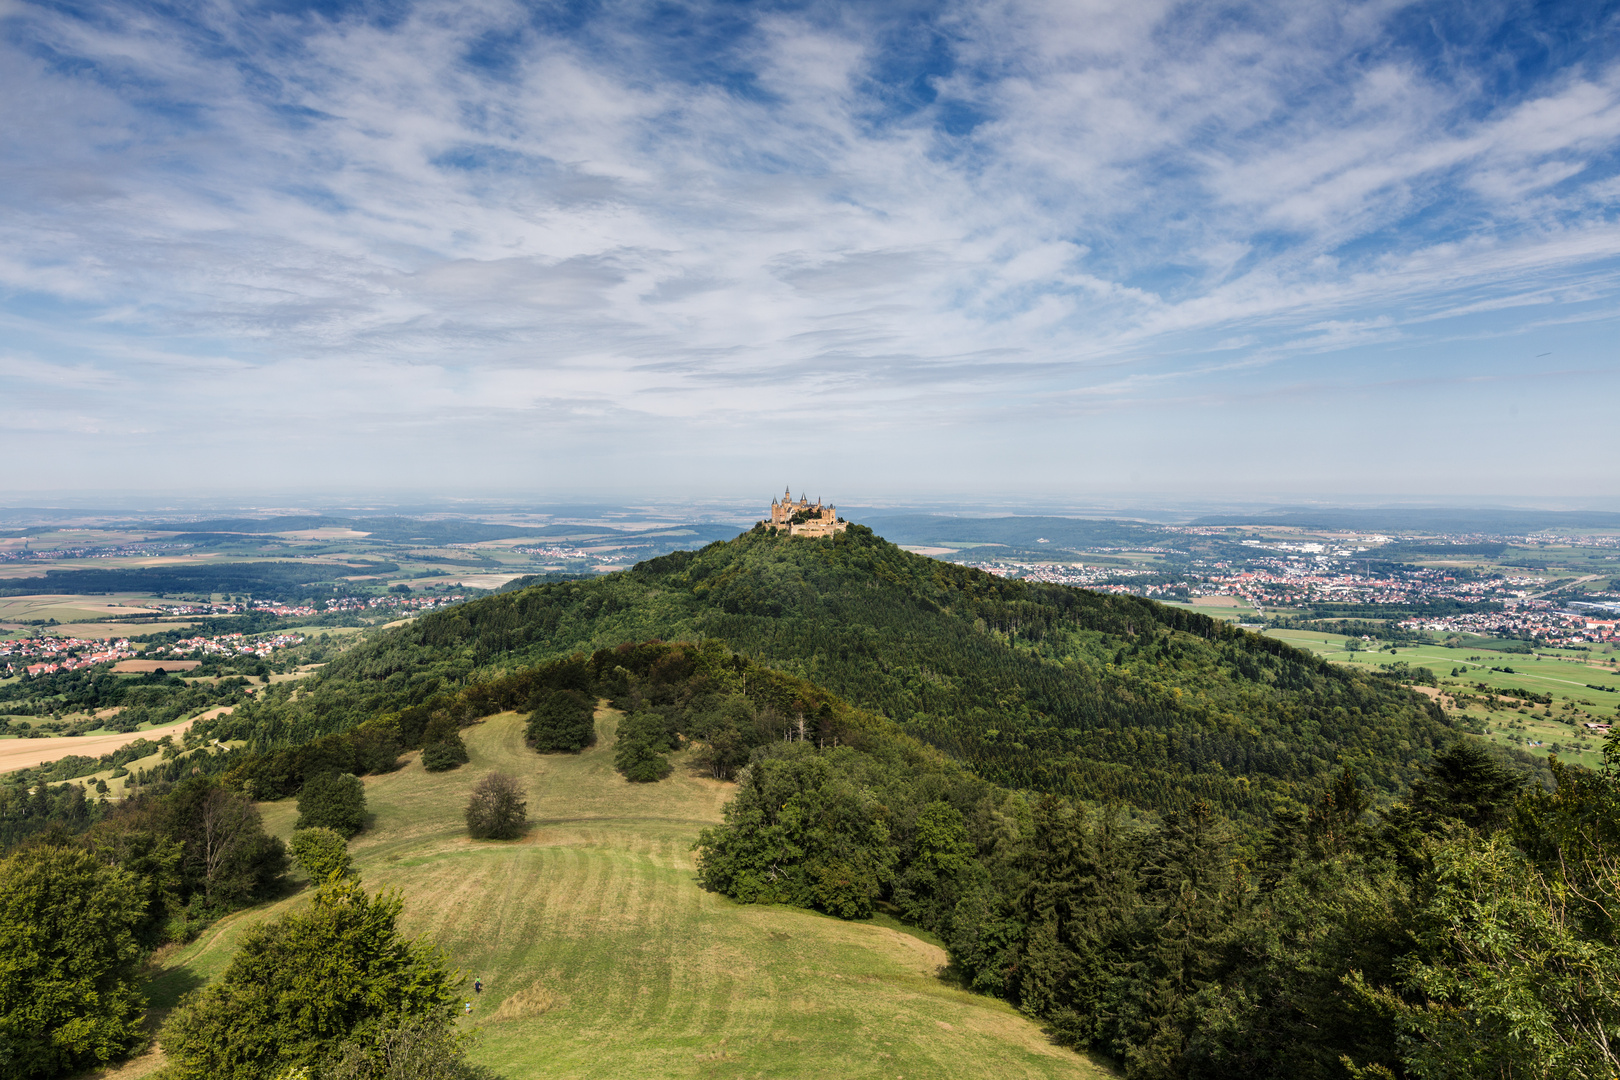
(410, 1050)
(442, 748)
(643, 741)
(562, 721)
(321, 852)
(497, 810)
(335, 801)
(69, 960)
(444, 755)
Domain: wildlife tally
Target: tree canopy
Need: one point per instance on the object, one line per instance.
(69, 960)
(301, 986)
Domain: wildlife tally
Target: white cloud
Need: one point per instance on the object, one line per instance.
(340, 218)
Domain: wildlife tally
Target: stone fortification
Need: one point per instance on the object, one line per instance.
(802, 519)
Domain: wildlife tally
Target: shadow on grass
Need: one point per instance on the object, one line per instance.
(165, 988)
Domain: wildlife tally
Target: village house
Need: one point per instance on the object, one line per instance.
(802, 519)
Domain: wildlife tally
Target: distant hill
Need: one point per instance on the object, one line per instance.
(1436, 520)
(407, 530)
(1036, 686)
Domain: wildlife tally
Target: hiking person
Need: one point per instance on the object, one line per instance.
(478, 985)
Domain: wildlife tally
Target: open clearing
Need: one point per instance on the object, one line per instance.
(601, 957)
(483, 581)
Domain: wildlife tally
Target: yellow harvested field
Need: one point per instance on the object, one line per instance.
(62, 606)
(335, 533)
(481, 581)
(26, 753)
(126, 666)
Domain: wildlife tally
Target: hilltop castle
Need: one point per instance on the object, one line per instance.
(802, 519)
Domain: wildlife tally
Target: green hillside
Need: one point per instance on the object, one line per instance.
(602, 957)
(1046, 687)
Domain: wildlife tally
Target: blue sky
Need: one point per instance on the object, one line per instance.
(1324, 250)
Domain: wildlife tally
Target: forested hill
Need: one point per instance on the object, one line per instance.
(1035, 686)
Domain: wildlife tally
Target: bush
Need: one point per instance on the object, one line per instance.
(321, 852)
(299, 986)
(442, 748)
(410, 1050)
(444, 755)
(562, 722)
(69, 960)
(335, 801)
(497, 810)
(643, 741)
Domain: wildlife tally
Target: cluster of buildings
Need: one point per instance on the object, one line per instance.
(267, 607)
(230, 645)
(53, 654)
(26, 554)
(336, 603)
(556, 551)
(392, 601)
(1091, 577)
(1536, 619)
(1285, 581)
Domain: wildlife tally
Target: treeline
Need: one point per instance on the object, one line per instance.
(1324, 609)
(93, 891)
(1097, 697)
(1466, 931)
(266, 580)
(153, 699)
(80, 915)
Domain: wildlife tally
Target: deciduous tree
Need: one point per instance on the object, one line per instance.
(69, 961)
(497, 810)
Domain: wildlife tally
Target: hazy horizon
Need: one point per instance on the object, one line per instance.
(512, 506)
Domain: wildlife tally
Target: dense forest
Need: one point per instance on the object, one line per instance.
(1096, 697)
(1462, 930)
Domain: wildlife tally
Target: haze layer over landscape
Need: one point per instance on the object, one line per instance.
(1093, 247)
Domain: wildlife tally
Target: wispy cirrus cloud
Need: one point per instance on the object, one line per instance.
(651, 224)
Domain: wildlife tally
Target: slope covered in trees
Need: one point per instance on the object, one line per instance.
(1046, 687)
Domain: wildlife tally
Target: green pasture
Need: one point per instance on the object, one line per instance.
(1563, 674)
(601, 957)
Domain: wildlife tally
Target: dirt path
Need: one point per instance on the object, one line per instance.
(26, 753)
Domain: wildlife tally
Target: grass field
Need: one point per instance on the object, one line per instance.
(1564, 674)
(601, 957)
(1229, 608)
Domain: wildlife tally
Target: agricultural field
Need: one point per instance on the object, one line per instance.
(1567, 676)
(18, 753)
(601, 957)
(1229, 608)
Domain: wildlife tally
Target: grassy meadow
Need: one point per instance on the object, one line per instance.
(601, 957)
(1566, 675)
